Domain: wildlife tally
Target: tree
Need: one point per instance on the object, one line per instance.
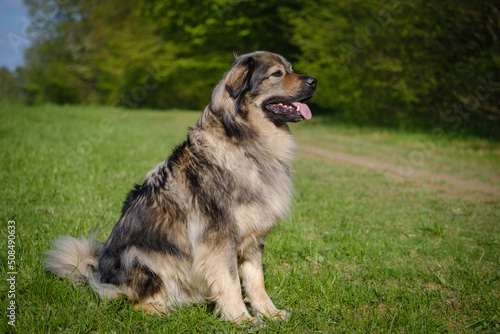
(159, 54)
(399, 64)
(402, 63)
(59, 62)
(206, 36)
(10, 85)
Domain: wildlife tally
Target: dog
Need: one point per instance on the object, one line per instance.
(197, 224)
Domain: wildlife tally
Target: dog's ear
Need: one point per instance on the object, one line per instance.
(239, 77)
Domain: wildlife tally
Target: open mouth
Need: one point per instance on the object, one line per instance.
(290, 109)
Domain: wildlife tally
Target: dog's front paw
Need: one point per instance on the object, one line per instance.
(276, 315)
(284, 315)
(247, 319)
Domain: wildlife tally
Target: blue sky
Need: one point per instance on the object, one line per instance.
(13, 22)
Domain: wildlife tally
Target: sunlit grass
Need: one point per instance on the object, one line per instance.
(360, 253)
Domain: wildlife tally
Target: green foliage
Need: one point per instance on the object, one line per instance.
(404, 63)
(398, 64)
(157, 54)
(212, 27)
(10, 85)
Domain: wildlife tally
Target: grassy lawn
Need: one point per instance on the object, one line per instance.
(361, 252)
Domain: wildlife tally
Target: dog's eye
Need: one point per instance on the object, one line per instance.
(277, 74)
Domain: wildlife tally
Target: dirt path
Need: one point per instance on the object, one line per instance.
(454, 185)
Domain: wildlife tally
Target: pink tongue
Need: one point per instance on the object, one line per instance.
(304, 109)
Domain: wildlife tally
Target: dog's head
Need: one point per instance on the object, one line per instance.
(264, 82)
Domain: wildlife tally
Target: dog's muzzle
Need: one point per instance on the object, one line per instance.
(294, 110)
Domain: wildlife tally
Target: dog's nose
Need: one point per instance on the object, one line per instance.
(311, 82)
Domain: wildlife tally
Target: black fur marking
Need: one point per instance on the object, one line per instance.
(140, 278)
(110, 267)
(259, 75)
(159, 180)
(261, 247)
(145, 282)
(178, 152)
(237, 129)
(147, 229)
(236, 92)
(131, 197)
(215, 196)
(231, 92)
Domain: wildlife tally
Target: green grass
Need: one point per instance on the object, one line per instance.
(361, 252)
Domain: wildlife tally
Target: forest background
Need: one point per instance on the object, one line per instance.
(411, 65)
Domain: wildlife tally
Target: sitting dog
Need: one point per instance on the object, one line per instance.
(197, 224)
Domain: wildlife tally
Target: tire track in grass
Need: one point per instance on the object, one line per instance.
(396, 171)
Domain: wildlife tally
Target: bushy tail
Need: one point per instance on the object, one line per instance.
(73, 258)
